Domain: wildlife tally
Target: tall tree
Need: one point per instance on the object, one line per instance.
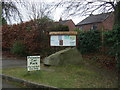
(10, 10)
(36, 10)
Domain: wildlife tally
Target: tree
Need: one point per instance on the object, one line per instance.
(42, 26)
(86, 7)
(36, 10)
(10, 11)
(60, 27)
(3, 21)
(117, 13)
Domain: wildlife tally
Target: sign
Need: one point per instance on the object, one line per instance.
(33, 63)
(63, 40)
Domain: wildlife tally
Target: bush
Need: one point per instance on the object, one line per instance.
(60, 28)
(78, 30)
(112, 41)
(89, 41)
(18, 48)
(35, 40)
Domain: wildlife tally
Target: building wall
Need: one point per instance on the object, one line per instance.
(89, 26)
(71, 25)
(108, 23)
(105, 25)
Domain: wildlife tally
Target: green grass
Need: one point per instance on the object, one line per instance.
(68, 76)
(18, 85)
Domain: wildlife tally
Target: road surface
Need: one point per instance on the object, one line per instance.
(6, 63)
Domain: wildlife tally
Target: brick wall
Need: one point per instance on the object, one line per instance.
(105, 25)
(88, 26)
(109, 22)
(70, 24)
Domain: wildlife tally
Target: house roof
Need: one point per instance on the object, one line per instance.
(94, 18)
(62, 21)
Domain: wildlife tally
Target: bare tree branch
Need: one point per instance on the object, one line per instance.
(10, 10)
(85, 7)
(36, 10)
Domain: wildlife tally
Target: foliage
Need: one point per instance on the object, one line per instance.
(117, 14)
(4, 21)
(18, 48)
(60, 27)
(0, 15)
(89, 41)
(9, 9)
(44, 20)
(78, 30)
(28, 28)
(35, 40)
(43, 25)
(112, 41)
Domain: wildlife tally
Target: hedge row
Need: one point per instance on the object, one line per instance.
(30, 35)
(112, 42)
(89, 41)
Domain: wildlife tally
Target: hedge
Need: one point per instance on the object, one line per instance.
(89, 41)
(32, 37)
(112, 42)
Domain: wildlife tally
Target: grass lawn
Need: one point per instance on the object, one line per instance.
(69, 76)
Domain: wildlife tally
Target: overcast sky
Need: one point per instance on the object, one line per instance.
(56, 14)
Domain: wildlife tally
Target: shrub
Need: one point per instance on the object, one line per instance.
(89, 41)
(18, 48)
(112, 41)
(35, 40)
(60, 28)
(28, 28)
(78, 30)
(3, 21)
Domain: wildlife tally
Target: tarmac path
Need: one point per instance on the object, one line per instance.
(13, 63)
(6, 63)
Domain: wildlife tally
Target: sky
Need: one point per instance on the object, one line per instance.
(56, 14)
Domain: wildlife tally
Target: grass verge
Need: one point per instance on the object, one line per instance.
(67, 76)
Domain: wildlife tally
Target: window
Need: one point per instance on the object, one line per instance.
(94, 27)
(81, 28)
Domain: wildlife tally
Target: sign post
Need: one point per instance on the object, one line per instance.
(33, 63)
(63, 39)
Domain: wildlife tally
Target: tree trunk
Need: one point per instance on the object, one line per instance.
(117, 14)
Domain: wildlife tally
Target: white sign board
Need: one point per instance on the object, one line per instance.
(63, 40)
(33, 63)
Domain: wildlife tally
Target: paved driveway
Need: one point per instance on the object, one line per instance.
(6, 63)
(9, 63)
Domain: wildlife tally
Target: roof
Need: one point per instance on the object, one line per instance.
(94, 18)
(62, 21)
